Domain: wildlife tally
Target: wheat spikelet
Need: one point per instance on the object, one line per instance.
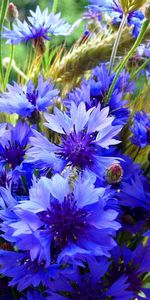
(71, 66)
(131, 5)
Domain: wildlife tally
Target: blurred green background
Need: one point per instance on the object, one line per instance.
(71, 10)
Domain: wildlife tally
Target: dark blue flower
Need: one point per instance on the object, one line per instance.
(14, 141)
(134, 195)
(40, 25)
(23, 271)
(114, 8)
(89, 283)
(141, 129)
(61, 224)
(83, 134)
(135, 19)
(33, 295)
(132, 264)
(94, 91)
(24, 101)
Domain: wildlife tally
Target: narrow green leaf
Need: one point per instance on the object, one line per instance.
(3, 10)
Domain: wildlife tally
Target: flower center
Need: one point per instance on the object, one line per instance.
(65, 221)
(14, 155)
(78, 148)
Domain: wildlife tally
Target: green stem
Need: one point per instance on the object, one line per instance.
(3, 10)
(6, 79)
(140, 68)
(55, 4)
(125, 60)
(14, 294)
(116, 44)
(136, 153)
(19, 72)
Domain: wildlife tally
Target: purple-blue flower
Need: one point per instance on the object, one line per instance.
(92, 14)
(27, 100)
(40, 25)
(94, 91)
(13, 144)
(141, 129)
(60, 223)
(114, 8)
(133, 264)
(33, 295)
(134, 195)
(23, 271)
(89, 283)
(84, 133)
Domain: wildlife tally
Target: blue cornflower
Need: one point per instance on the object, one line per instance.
(132, 264)
(41, 25)
(13, 145)
(23, 271)
(94, 91)
(143, 52)
(83, 134)
(91, 14)
(114, 8)
(62, 223)
(26, 100)
(135, 19)
(141, 129)
(90, 284)
(134, 195)
(33, 295)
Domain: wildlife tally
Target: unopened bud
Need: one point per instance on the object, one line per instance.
(147, 11)
(114, 174)
(128, 220)
(6, 246)
(12, 12)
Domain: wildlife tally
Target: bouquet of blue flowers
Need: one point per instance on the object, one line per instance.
(75, 154)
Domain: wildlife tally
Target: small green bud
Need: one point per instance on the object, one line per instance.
(12, 12)
(147, 11)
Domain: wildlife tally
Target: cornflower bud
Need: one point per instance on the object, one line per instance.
(12, 12)
(114, 174)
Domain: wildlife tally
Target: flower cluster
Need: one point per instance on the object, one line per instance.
(114, 7)
(74, 173)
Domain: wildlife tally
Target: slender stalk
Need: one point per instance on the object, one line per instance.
(6, 79)
(14, 294)
(19, 72)
(136, 153)
(127, 57)
(3, 10)
(117, 41)
(140, 68)
(16, 69)
(55, 4)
